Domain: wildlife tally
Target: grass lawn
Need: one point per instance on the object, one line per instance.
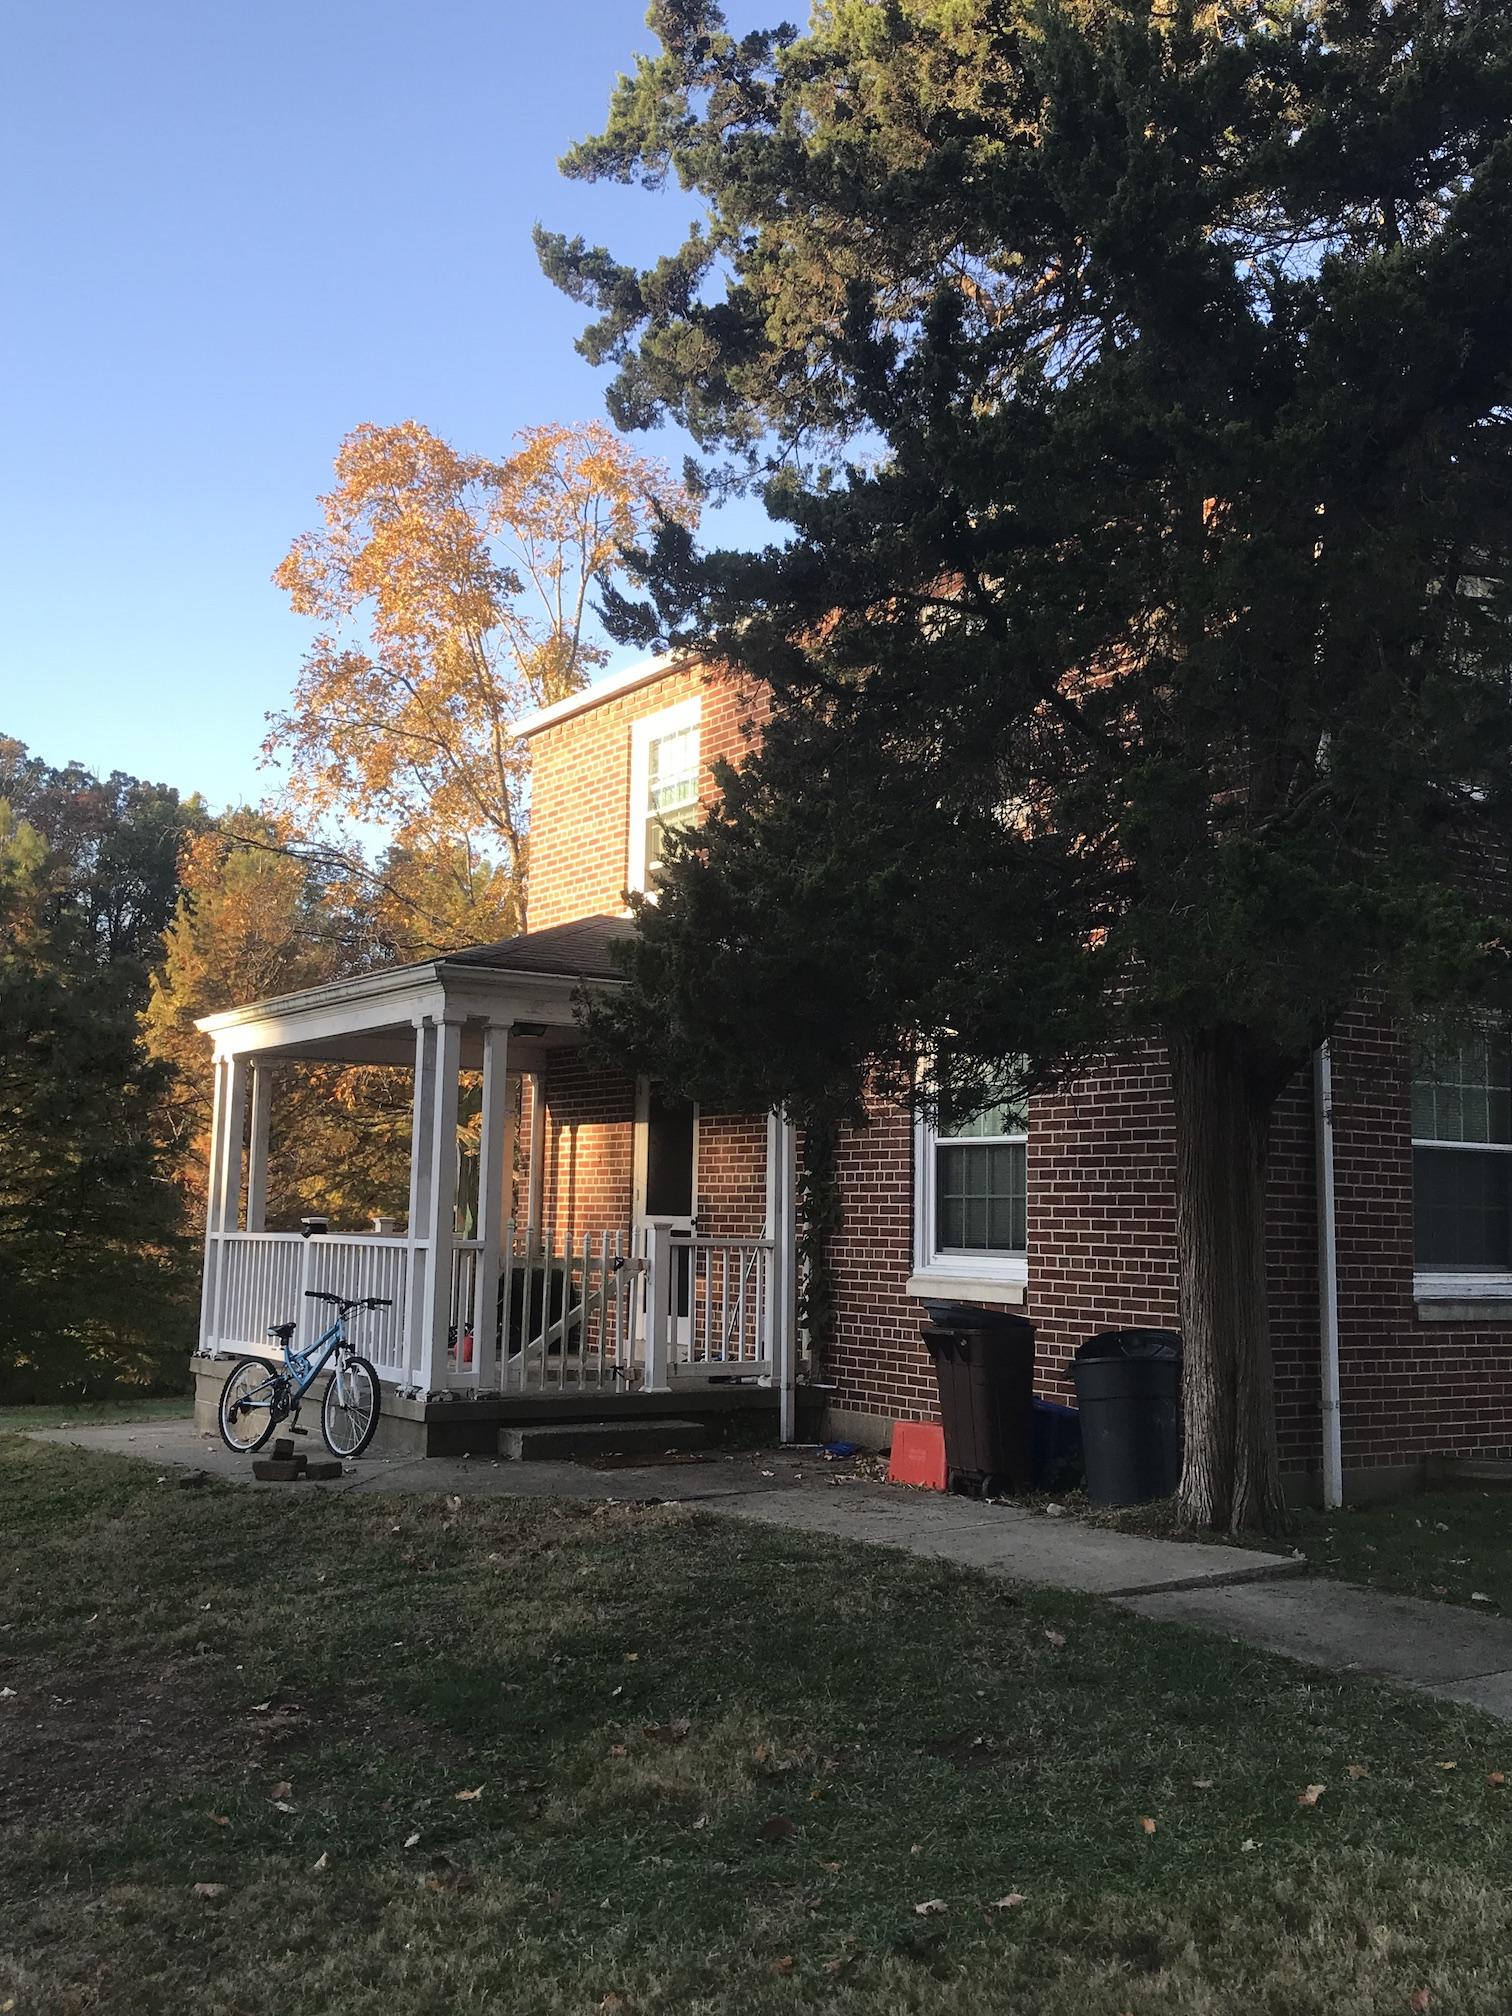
(86, 1413)
(1446, 1546)
(445, 1757)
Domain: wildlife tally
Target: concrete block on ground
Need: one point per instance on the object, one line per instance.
(278, 1469)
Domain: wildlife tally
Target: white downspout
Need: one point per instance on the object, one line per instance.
(1328, 1279)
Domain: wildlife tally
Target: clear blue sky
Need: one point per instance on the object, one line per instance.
(231, 230)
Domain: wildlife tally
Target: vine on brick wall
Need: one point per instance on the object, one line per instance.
(820, 1216)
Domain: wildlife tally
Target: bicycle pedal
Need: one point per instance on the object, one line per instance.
(299, 1431)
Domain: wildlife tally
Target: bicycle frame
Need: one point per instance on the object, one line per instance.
(303, 1368)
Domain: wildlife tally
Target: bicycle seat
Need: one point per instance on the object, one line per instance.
(282, 1331)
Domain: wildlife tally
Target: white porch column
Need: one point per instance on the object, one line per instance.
(208, 1339)
(782, 1230)
(257, 1148)
(495, 1175)
(536, 1184)
(223, 1187)
(417, 1251)
(661, 1277)
(440, 1204)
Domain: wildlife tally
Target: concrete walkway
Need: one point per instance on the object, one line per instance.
(1267, 1600)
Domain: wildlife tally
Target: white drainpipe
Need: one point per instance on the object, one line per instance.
(1328, 1278)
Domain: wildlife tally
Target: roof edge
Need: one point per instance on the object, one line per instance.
(626, 680)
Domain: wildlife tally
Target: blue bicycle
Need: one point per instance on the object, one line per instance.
(257, 1396)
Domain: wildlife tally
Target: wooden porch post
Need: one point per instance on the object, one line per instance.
(441, 1203)
(782, 1230)
(535, 1190)
(223, 1201)
(417, 1254)
(495, 1173)
(660, 1278)
(257, 1148)
(208, 1337)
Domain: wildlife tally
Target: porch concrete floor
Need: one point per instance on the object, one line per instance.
(1261, 1599)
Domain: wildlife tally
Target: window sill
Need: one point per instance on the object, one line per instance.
(1009, 1284)
(1463, 1298)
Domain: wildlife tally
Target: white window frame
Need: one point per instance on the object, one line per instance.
(1460, 1295)
(651, 728)
(987, 1277)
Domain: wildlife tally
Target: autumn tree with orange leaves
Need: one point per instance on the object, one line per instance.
(454, 595)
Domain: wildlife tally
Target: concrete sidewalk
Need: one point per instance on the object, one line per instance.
(1264, 1599)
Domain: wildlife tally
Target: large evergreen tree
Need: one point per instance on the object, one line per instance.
(1133, 384)
(93, 1275)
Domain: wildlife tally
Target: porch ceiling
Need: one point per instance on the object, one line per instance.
(532, 980)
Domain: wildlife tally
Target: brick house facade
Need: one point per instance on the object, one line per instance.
(1425, 1359)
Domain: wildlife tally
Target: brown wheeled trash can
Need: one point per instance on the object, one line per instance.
(984, 1365)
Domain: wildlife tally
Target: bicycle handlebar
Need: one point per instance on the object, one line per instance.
(344, 1302)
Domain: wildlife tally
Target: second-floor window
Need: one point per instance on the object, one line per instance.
(1462, 1152)
(664, 772)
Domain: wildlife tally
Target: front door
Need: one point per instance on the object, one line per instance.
(666, 1188)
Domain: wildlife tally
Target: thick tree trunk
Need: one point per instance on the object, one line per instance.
(1223, 1103)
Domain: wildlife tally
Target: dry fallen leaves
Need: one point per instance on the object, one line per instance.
(1496, 1778)
(475, 1793)
(209, 1891)
(1147, 1823)
(1419, 2000)
(1202, 1784)
(783, 1964)
(413, 1840)
(931, 1907)
(220, 1819)
(1311, 1794)
(1448, 1764)
(282, 1790)
(323, 1863)
(1359, 1770)
(1056, 1638)
(281, 1806)
(1011, 1902)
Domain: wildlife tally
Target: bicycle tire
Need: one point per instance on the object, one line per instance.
(364, 1370)
(244, 1448)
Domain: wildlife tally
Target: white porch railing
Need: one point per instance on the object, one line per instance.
(261, 1278)
(568, 1316)
(585, 1315)
(712, 1314)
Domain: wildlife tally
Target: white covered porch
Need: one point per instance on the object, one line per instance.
(527, 1307)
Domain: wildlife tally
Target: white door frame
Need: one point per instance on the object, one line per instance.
(682, 1325)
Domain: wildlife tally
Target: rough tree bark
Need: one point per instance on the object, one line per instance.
(1223, 1100)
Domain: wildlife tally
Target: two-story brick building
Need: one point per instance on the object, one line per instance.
(672, 1231)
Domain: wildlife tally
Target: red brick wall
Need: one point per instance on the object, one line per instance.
(1101, 1216)
(1407, 1388)
(589, 1142)
(580, 788)
(732, 1175)
(878, 1364)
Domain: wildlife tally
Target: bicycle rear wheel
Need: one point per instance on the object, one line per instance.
(249, 1406)
(349, 1410)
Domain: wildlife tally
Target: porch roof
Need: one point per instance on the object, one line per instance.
(531, 979)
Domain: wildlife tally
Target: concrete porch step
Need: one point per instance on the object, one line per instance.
(570, 1441)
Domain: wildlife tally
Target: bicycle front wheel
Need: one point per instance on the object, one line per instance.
(248, 1406)
(349, 1411)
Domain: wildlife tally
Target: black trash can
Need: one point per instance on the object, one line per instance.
(1128, 1391)
(984, 1366)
